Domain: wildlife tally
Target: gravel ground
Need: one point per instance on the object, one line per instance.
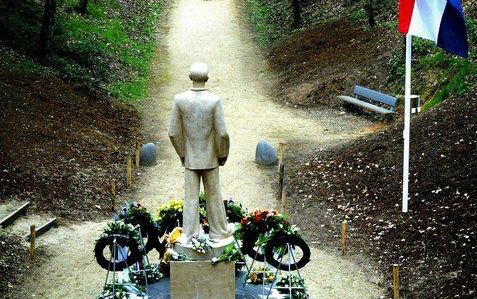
(212, 31)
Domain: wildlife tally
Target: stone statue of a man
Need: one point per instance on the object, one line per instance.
(198, 133)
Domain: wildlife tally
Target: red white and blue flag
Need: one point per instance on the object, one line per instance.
(439, 20)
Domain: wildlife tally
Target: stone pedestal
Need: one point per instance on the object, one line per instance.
(201, 279)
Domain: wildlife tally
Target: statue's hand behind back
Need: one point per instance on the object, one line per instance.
(222, 161)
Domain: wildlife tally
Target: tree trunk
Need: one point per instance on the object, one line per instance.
(370, 10)
(83, 7)
(47, 28)
(296, 13)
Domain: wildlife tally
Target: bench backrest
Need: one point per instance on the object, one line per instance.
(375, 96)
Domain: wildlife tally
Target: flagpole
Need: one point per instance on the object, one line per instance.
(407, 125)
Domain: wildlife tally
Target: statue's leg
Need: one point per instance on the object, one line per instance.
(190, 217)
(218, 227)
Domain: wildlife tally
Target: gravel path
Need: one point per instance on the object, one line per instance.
(210, 31)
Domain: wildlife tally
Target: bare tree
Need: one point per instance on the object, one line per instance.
(296, 13)
(47, 28)
(83, 6)
(370, 9)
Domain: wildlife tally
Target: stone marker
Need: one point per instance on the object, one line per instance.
(201, 279)
(148, 155)
(265, 154)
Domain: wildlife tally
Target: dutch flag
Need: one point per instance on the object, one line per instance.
(439, 20)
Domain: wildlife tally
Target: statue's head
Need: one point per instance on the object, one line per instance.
(199, 72)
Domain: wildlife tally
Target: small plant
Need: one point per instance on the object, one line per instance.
(230, 253)
(152, 273)
(235, 212)
(118, 227)
(169, 256)
(260, 275)
(294, 281)
(136, 215)
(169, 215)
(200, 244)
(119, 292)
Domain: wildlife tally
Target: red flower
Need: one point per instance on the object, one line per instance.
(258, 218)
(244, 221)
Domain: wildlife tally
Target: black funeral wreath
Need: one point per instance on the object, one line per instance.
(248, 247)
(279, 243)
(132, 254)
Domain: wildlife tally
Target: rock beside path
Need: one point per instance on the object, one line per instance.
(265, 154)
(148, 154)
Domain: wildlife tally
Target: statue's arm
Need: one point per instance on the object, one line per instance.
(221, 130)
(175, 131)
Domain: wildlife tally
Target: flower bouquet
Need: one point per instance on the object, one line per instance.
(200, 244)
(298, 286)
(136, 215)
(169, 215)
(260, 275)
(151, 272)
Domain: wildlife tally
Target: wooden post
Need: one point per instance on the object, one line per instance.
(113, 187)
(281, 154)
(113, 194)
(129, 173)
(32, 242)
(284, 195)
(137, 152)
(396, 280)
(343, 237)
(281, 180)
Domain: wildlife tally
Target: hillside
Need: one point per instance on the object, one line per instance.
(59, 147)
(361, 182)
(335, 48)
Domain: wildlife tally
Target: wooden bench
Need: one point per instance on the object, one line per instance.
(371, 99)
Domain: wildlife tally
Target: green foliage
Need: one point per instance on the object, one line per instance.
(110, 48)
(358, 14)
(120, 292)
(231, 253)
(13, 61)
(170, 214)
(293, 280)
(261, 16)
(436, 74)
(118, 227)
(150, 274)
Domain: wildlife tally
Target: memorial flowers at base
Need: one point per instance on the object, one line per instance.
(151, 272)
(298, 284)
(264, 224)
(119, 292)
(260, 275)
(118, 227)
(200, 245)
(137, 215)
(169, 215)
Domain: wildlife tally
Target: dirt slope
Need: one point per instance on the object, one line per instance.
(436, 242)
(59, 147)
(317, 64)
